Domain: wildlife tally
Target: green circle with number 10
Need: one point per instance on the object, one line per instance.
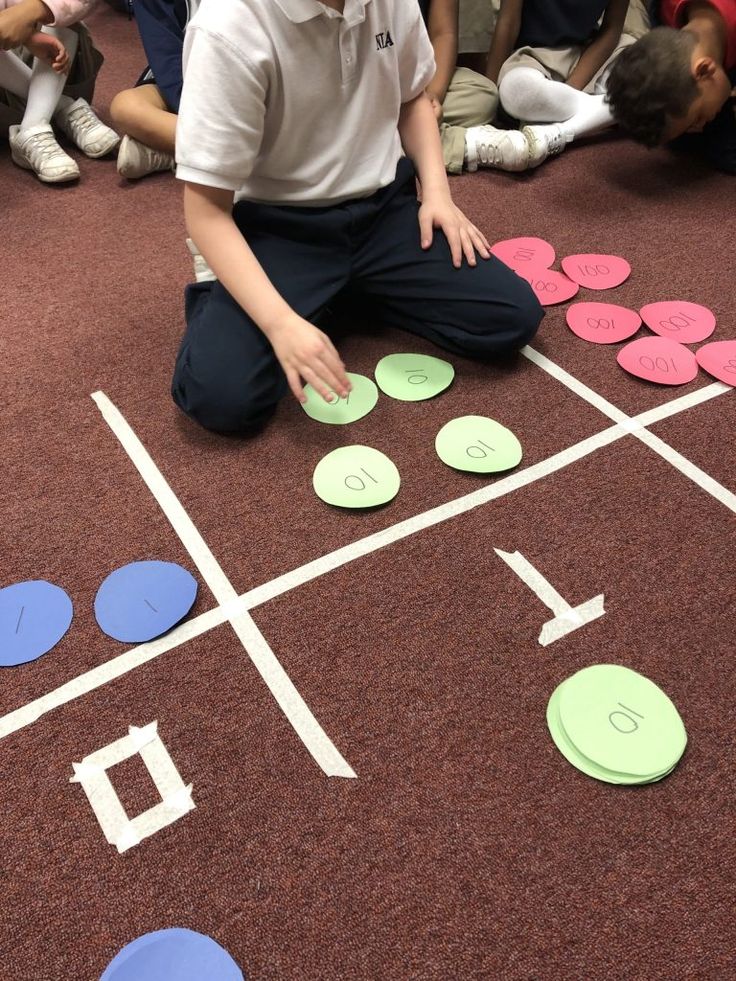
(358, 403)
(477, 444)
(356, 477)
(413, 377)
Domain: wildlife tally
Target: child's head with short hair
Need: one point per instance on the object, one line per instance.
(661, 87)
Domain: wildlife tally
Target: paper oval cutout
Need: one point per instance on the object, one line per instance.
(143, 600)
(658, 360)
(602, 323)
(549, 286)
(681, 321)
(34, 616)
(413, 377)
(719, 359)
(596, 272)
(621, 721)
(359, 402)
(172, 954)
(517, 253)
(477, 444)
(356, 477)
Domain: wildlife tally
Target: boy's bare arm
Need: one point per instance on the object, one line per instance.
(443, 31)
(302, 349)
(505, 34)
(602, 46)
(17, 23)
(421, 141)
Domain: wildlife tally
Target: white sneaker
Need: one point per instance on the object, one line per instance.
(136, 159)
(202, 272)
(504, 149)
(80, 123)
(36, 149)
(545, 141)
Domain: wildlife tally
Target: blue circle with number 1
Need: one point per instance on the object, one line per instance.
(173, 955)
(34, 616)
(144, 600)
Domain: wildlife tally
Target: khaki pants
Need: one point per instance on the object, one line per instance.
(471, 100)
(81, 84)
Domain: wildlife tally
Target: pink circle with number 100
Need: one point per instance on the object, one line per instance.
(659, 360)
(719, 359)
(549, 286)
(685, 322)
(596, 272)
(521, 252)
(602, 323)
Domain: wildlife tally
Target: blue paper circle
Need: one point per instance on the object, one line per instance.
(173, 955)
(143, 600)
(34, 616)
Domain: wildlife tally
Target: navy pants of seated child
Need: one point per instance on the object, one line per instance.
(365, 253)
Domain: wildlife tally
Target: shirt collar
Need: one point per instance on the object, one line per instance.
(300, 11)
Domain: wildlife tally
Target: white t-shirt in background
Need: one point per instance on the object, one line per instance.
(290, 102)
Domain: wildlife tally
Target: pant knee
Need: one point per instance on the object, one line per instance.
(221, 406)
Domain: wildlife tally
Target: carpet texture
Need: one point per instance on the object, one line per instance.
(467, 847)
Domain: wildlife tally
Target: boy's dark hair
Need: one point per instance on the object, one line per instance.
(651, 83)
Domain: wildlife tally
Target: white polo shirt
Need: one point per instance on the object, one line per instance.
(290, 102)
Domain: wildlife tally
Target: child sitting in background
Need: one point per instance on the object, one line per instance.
(33, 144)
(461, 99)
(146, 114)
(675, 81)
(551, 59)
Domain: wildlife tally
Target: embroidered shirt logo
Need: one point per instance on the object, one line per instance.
(384, 40)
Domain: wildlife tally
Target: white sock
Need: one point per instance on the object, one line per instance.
(46, 86)
(530, 96)
(15, 75)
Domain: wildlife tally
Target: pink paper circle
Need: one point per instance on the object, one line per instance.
(602, 323)
(679, 320)
(719, 359)
(518, 253)
(549, 286)
(660, 360)
(596, 272)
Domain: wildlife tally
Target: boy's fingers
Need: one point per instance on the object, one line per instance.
(317, 384)
(292, 377)
(468, 247)
(425, 230)
(479, 241)
(335, 380)
(456, 250)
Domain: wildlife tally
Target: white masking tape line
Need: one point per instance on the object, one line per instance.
(289, 700)
(569, 381)
(208, 566)
(303, 721)
(689, 469)
(678, 405)
(109, 671)
(141, 737)
(444, 512)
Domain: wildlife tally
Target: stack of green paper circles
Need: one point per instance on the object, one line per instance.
(616, 725)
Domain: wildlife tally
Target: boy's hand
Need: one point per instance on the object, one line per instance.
(304, 352)
(18, 22)
(461, 234)
(50, 50)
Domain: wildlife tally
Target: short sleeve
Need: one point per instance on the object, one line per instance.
(221, 115)
(416, 56)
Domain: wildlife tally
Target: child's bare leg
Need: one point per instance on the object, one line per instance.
(142, 113)
(150, 131)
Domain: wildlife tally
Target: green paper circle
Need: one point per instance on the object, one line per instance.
(579, 761)
(477, 444)
(359, 402)
(621, 722)
(413, 377)
(356, 477)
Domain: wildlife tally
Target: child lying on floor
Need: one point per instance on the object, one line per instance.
(675, 82)
(33, 144)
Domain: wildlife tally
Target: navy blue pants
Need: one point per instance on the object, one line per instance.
(362, 255)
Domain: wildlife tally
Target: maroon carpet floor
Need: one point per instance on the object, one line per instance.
(467, 847)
